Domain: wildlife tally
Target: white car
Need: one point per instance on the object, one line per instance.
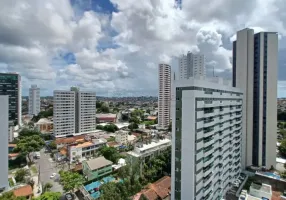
(53, 175)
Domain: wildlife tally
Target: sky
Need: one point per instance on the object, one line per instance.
(113, 47)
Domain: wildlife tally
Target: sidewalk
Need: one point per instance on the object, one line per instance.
(37, 189)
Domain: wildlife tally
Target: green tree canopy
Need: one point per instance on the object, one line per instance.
(110, 153)
(27, 132)
(134, 119)
(53, 145)
(133, 126)
(50, 196)
(110, 191)
(43, 114)
(282, 147)
(47, 187)
(99, 127)
(10, 196)
(29, 144)
(70, 180)
(110, 128)
(21, 174)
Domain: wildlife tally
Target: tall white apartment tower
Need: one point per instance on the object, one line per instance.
(206, 138)
(255, 72)
(191, 65)
(164, 98)
(4, 123)
(34, 100)
(74, 112)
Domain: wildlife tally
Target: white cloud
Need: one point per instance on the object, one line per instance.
(35, 34)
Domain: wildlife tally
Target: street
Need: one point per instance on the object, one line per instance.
(46, 167)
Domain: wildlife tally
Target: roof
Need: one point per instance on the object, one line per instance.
(152, 117)
(23, 191)
(112, 144)
(261, 187)
(69, 139)
(44, 121)
(106, 116)
(64, 151)
(98, 163)
(160, 188)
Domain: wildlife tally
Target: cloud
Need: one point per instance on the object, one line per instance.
(118, 53)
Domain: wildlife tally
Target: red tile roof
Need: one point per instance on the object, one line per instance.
(12, 145)
(23, 191)
(69, 139)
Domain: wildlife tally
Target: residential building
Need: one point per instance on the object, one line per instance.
(96, 168)
(206, 138)
(74, 112)
(255, 72)
(191, 65)
(164, 98)
(44, 125)
(121, 137)
(4, 117)
(10, 84)
(106, 118)
(149, 149)
(257, 191)
(85, 148)
(159, 190)
(34, 100)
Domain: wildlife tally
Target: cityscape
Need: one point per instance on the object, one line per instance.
(210, 133)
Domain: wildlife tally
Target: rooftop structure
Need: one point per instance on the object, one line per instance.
(25, 191)
(101, 118)
(97, 163)
(34, 100)
(257, 191)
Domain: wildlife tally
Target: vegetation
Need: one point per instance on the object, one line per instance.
(248, 183)
(11, 182)
(20, 161)
(282, 147)
(21, 175)
(70, 180)
(10, 196)
(27, 132)
(50, 196)
(133, 126)
(53, 145)
(28, 144)
(34, 169)
(101, 107)
(47, 187)
(109, 128)
(110, 153)
(43, 114)
(134, 119)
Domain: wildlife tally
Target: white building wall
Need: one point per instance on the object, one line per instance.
(206, 155)
(164, 99)
(191, 65)
(4, 118)
(64, 113)
(34, 100)
(86, 111)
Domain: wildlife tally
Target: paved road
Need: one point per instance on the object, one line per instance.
(46, 167)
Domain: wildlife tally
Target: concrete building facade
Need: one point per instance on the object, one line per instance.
(4, 123)
(10, 84)
(206, 138)
(164, 99)
(255, 72)
(34, 100)
(74, 112)
(191, 65)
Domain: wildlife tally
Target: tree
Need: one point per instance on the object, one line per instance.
(31, 124)
(50, 196)
(110, 128)
(110, 191)
(134, 119)
(99, 127)
(21, 174)
(29, 144)
(43, 114)
(70, 180)
(53, 145)
(110, 153)
(27, 132)
(282, 147)
(47, 187)
(133, 126)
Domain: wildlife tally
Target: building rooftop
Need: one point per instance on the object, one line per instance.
(44, 121)
(106, 115)
(261, 187)
(69, 139)
(98, 163)
(23, 191)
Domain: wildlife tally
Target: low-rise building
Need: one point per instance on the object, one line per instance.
(44, 126)
(86, 149)
(25, 191)
(150, 148)
(96, 168)
(102, 118)
(257, 191)
(121, 137)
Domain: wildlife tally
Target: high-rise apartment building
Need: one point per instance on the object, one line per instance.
(74, 112)
(10, 84)
(206, 138)
(34, 100)
(191, 65)
(255, 72)
(164, 99)
(4, 123)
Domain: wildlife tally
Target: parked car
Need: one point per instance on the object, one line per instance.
(53, 175)
(69, 196)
